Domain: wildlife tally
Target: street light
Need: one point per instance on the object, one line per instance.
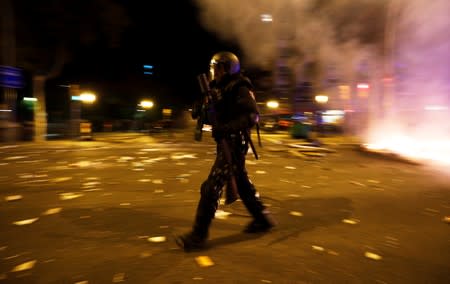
(85, 97)
(146, 104)
(88, 97)
(272, 104)
(80, 129)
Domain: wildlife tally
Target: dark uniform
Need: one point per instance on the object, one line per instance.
(235, 112)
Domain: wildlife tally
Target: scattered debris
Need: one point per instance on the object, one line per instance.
(52, 211)
(287, 181)
(13, 197)
(158, 239)
(296, 213)
(154, 160)
(69, 195)
(318, 248)
(357, 183)
(204, 261)
(350, 221)
(124, 159)
(372, 255)
(90, 184)
(137, 164)
(24, 266)
(179, 156)
(391, 242)
(305, 148)
(61, 179)
(119, 277)
(15, 157)
(220, 214)
(332, 252)
(81, 164)
(25, 222)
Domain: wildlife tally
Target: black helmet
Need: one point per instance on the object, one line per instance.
(228, 60)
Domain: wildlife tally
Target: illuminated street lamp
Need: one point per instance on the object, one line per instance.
(88, 97)
(272, 104)
(85, 97)
(146, 104)
(80, 129)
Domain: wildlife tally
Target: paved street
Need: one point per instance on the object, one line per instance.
(105, 211)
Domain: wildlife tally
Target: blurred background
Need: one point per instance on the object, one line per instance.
(374, 69)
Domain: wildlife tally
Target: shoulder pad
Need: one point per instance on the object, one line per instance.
(237, 82)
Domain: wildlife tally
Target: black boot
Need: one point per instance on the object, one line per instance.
(190, 242)
(196, 239)
(262, 219)
(260, 225)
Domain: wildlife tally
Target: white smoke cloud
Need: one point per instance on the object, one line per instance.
(406, 40)
(310, 23)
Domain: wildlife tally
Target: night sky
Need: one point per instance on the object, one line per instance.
(160, 33)
(165, 34)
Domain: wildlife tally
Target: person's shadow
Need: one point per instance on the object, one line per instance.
(234, 238)
(315, 212)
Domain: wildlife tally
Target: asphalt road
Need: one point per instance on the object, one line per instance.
(105, 211)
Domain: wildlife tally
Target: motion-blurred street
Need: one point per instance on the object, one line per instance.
(106, 210)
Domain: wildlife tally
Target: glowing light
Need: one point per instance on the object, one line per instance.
(272, 104)
(333, 116)
(321, 99)
(87, 97)
(419, 150)
(363, 86)
(27, 99)
(344, 92)
(146, 104)
(414, 118)
(266, 18)
(334, 112)
(167, 111)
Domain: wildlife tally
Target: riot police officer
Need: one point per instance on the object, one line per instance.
(235, 113)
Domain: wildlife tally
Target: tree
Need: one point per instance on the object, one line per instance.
(49, 32)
